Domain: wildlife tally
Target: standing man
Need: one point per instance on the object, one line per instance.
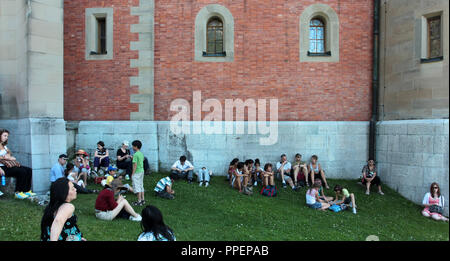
(182, 168)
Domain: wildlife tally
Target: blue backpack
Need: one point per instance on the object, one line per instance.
(269, 191)
(337, 208)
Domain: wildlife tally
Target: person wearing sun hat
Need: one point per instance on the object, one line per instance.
(81, 163)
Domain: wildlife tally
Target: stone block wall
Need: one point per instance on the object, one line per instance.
(341, 146)
(37, 143)
(411, 154)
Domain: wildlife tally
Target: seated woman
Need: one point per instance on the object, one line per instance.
(346, 197)
(370, 177)
(124, 159)
(231, 168)
(316, 172)
(59, 223)
(153, 226)
(22, 174)
(434, 203)
(268, 175)
(256, 173)
(101, 156)
(312, 198)
(107, 208)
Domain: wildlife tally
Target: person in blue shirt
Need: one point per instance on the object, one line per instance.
(57, 170)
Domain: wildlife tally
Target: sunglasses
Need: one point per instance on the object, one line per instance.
(435, 187)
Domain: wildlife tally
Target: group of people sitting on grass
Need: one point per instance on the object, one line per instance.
(67, 179)
(242, 175)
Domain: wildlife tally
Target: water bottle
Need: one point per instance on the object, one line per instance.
(3, 181)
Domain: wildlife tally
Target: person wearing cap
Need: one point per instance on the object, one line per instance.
(111, 176)
(284, 171)
(57, 170)
(107, 207)
(124, 159)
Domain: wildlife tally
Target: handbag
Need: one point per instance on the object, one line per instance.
(10, 163)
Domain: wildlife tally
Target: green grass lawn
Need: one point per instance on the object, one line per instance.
(219, 213)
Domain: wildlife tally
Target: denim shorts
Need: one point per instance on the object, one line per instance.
(316, 205)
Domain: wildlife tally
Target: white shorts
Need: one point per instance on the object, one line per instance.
(138, 182)
(104, 215)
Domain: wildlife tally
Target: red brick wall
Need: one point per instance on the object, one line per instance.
(98, 90)
(266, 63)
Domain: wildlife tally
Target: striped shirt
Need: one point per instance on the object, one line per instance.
(162, 183)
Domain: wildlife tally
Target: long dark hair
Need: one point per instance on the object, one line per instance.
(69, 166)
(152, 221)
(58, 194)
(234, 161)
(1, 133)
(432, 191)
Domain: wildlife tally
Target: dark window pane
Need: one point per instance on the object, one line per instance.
(434, 37)
(214, 36)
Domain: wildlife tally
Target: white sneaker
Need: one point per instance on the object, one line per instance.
(367, 192)
(200, 184)
(255, 184)
(381, 193)
(354, 210)
(207, 184)
(138, 218)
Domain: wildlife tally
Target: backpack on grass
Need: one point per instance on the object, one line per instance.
(269, 191)
(338, 208)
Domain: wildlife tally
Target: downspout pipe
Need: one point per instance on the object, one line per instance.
(375, 79)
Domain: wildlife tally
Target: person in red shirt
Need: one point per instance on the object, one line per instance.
(108, 208)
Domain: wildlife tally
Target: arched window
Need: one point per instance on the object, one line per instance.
(317, 36)
(214, 36)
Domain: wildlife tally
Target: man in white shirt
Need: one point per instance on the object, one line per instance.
(181, 169)
(284, 171)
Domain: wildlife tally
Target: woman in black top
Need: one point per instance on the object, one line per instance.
(124, 158)
(59, 222)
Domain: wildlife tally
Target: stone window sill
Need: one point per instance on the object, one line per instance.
(319, 54)
(224, 54)
(431, 60)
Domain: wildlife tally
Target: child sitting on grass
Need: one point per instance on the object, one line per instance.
(240, 179)
(256, 172)
(312, 198)
(164, 189)
(268, 175)
(322, 197)
(347, 198)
